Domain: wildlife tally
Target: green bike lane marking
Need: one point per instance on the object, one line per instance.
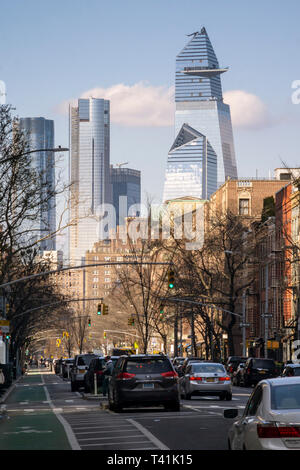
(35, 430)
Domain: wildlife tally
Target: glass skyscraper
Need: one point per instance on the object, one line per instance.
(199, 104)
(40, 134)
(126, 191)
(89, 172)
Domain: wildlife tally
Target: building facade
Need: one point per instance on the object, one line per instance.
(199, 104)
(40, 134)
(89, 172)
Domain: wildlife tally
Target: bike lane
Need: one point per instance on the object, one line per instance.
(30, 423)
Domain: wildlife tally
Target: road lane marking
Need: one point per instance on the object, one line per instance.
(68, 430)
(148, 434)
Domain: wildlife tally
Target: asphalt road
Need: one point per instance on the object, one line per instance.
(42, 413)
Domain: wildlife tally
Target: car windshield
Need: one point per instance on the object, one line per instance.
(263, 364)
(148, 366)
(208, 368)
(285, 397)
(85, 360)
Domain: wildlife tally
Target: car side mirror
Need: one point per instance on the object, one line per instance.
(231, 413)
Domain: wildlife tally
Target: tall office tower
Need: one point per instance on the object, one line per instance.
(199, 104)
(191, 167)
(89, 172)
(40, 133)
(126, 190)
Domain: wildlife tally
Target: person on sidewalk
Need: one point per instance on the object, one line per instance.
(107, 373)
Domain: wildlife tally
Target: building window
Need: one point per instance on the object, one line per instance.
(244, 207)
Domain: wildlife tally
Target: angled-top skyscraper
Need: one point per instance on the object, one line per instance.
(200, 106)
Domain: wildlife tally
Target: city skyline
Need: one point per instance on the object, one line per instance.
(264, 136)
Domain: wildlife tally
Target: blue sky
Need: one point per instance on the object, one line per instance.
(52, 52)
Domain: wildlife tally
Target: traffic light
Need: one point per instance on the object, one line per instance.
(89, 322)
(104, 335)
(171, 279)
(130, 321)
(105, 309)
(99, 311)
(161, 309)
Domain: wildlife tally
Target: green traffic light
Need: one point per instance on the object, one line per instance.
(171, 285)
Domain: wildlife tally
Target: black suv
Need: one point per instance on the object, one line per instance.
(144, 380)
(96, 367)
(257, 369)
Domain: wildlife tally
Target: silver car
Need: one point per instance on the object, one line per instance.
(206, 378)
(271, 419)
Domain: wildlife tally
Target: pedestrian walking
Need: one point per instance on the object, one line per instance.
(107, 373)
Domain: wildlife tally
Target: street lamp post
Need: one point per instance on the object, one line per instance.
(55, 150)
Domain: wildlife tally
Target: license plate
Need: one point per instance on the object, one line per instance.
(148, 386)
(262, 371)
(81, 371)
(210, 379)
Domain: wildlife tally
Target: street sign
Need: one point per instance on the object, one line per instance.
(4, 326)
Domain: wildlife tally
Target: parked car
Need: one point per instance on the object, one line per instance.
(187, 360)
(236, 376)
(233, 362)
(67, 364)
(143, 380)
(291, 370)
(78, 370)
(271, 418)
(96, 367)
(206, 378)
(257, 369)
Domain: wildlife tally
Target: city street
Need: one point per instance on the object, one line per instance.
(41, 413)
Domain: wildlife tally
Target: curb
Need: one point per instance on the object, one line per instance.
(9, 390)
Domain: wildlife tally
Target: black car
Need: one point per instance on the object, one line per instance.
(257, 369)
(233, 362)
(144, 380)
(96, 367)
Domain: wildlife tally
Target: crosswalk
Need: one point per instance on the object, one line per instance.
(111, 432)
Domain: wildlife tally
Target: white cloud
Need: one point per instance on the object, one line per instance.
(138, 105)
(247, 110)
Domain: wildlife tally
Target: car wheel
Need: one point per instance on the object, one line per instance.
(222, 396)
(229, 445)
(173, 406)
(117, 404)
(229, 396)
(74, 387)
(187, 396)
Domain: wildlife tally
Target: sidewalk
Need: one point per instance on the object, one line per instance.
(31, 429)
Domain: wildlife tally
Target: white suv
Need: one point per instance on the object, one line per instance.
(78, 371)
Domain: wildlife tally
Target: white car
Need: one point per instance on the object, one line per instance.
(271, 419)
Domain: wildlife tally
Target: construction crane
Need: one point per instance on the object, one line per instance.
(121, 164)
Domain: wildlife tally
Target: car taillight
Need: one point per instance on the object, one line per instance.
(171, 373)
(248, 371)
(196, 378)
(125, 375)
(274, 430)
(223, 379)
(230, 369)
